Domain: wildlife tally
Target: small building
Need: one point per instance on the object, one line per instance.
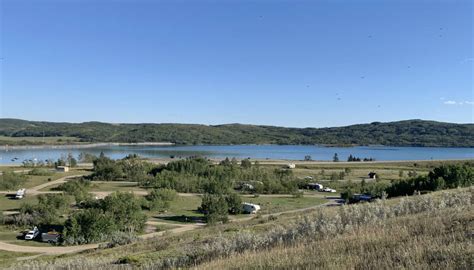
(372, 175)
(290, 166)
(250, 208)
(62, 169)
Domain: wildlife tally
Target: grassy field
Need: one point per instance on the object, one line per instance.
(9, 204)
(271, 205)
(6, 257)
(182, 209)
(36, 180)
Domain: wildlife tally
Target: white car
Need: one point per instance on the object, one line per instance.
(20, 194)
(329, 190)
(30, 235)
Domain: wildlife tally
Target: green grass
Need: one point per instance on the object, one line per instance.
(181, 206)
(116, 186)
(7, 257)
(271, 205)
(36, 180)
(7, 204)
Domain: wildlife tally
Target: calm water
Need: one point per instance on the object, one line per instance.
(289, 152)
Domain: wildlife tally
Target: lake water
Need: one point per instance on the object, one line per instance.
(288, 152)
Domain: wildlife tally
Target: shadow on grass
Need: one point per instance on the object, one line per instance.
(183, 219)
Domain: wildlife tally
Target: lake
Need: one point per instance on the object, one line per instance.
(288, 152)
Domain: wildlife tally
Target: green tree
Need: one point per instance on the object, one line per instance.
(159, 199)
(215, 208)
(335, 158)
(126, 211)
(234, 202)
(77, 188)
(347, 194)
(246, 164)
(89, 226)
(106, 169)
(71, 161)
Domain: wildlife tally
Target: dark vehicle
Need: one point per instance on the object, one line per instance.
(51, 237)
(357, 198)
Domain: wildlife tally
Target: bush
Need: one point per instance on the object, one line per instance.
(128, 260)
(77, 188)
(121, 238)
(11, 180)
(159, 199)
(40, 172)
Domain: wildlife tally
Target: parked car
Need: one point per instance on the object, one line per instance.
(32, 234)
(329, 190)
(250, 208)
(20, 194)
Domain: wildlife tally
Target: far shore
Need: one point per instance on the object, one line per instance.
(80, 146)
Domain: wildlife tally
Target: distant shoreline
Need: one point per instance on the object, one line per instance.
(80, 146)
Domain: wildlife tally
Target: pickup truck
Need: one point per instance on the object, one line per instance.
(32, 234)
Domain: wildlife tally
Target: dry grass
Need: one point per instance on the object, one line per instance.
(420, 241)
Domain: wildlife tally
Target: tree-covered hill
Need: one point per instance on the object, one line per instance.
(402, 133)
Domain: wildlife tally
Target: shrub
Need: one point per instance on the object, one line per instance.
(128, 260)
(121, 238)
(40, 172)
(159, 199)
(11, 180)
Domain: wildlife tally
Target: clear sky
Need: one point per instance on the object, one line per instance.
(287, 63)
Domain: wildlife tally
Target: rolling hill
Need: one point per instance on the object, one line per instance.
(401, 133)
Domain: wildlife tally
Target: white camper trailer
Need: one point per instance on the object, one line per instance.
(250, 208)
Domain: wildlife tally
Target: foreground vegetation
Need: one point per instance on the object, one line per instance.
(403, 133)
(419, 241)
(424, 231)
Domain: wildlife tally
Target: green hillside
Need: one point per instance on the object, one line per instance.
(402, 133)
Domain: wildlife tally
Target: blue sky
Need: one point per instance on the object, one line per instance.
(294, 63)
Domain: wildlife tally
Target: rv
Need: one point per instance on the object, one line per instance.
(20, 194)
(250, 208)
